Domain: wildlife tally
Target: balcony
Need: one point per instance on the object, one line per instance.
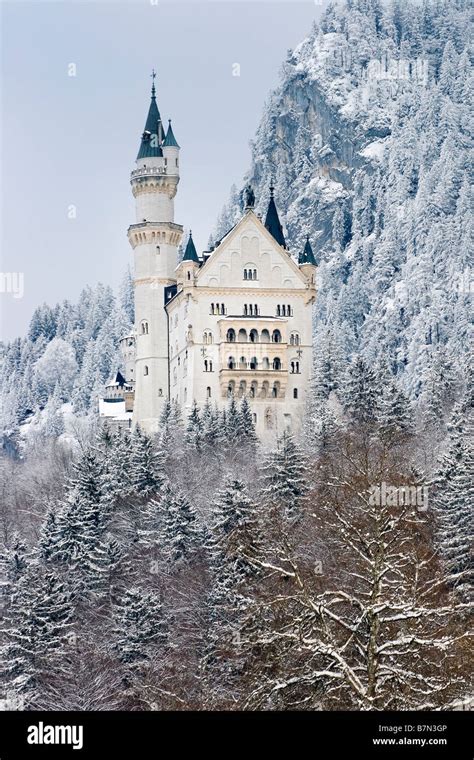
(147, 171)
(256, 384)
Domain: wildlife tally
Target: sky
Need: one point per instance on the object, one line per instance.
(75, 90)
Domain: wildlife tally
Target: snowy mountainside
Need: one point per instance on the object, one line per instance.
(367, 140)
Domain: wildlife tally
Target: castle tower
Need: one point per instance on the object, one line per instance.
(155, 239)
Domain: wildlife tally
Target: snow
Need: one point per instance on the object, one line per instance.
(374, 150)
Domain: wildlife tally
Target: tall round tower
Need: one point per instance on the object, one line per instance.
(155, 239)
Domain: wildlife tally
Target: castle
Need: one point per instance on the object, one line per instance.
(236, 320)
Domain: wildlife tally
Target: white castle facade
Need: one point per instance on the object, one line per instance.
(235, 321)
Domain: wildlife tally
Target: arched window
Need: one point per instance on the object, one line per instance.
(243, 363)
(145, 369)
(189, 275)
(255, 309)
(269, 419)
(292, 340)
(242, 336)
(230, 388)
(297, 365)
(265, 362)
(205, 365)
(246, 310)
(253, 335)
(231, 335)
(276, 337)
(254, 274)
(283, 311)
(253, 362)
(144, 327)
(231, 362)
(278, 311)
(253, 389)
(295, 392)
(242, 388)
(288, 310)
(265, 336)
(212, 308)
(292, 367)
(276, 363)
(275, 390)
(245, 274)
(265, 387)
(208, 391)
(222, 308)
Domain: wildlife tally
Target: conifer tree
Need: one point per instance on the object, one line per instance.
(285, 475)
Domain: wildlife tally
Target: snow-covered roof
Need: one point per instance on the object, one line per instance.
(115, 409)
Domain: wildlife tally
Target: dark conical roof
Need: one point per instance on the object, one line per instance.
(272, 221)
(307, 257)
(152, 136)
(170, 139)
(190, 253)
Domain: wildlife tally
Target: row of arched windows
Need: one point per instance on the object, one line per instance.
(265, 391)
(252, 364)
(284, 310)
(208, 365)
(250, 274)
(251, 310)
(218, 308)
(253, 336)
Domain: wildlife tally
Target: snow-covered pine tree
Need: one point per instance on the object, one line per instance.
(453, 500)
(146, 464)
(181, 535)
(39, 619)
(285, 476)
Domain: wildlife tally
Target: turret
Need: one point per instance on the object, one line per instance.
(189, 265)
(307, 262)
(170, 149)
(272, 220)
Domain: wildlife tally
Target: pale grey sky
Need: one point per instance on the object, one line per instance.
(73, 140)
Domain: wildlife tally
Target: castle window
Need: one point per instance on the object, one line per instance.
(231, 362)
(222, 308)
(253, 362)
(275, 390)
(158, 249)
(295, 367)
(242, 336)
(269, 419)
(210, 366)
(231, 335)
(294, 339)
(276, 337)
(265, 336)
(205, 366)
(207, 337)
(144, 327)
(265, 362)
(276, 363)
(208, 391)
(145, 370)
(176, 162)
(230, 389)
(160, 391)
(246, 310)
(253, 336)
(254, 418)
(253, 389)
(250, 273)
(278, 311)
(189, 275)
(295, 392)
(212, 308)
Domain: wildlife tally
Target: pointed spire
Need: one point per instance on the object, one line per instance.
(272, 221)
(170, 139)
(152, 137)
(307, 256)
(190, 253)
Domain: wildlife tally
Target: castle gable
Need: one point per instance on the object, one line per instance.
(250, 257)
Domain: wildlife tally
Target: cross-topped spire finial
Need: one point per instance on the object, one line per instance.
(153, 77)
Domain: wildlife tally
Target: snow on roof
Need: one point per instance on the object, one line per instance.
(115, 409)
